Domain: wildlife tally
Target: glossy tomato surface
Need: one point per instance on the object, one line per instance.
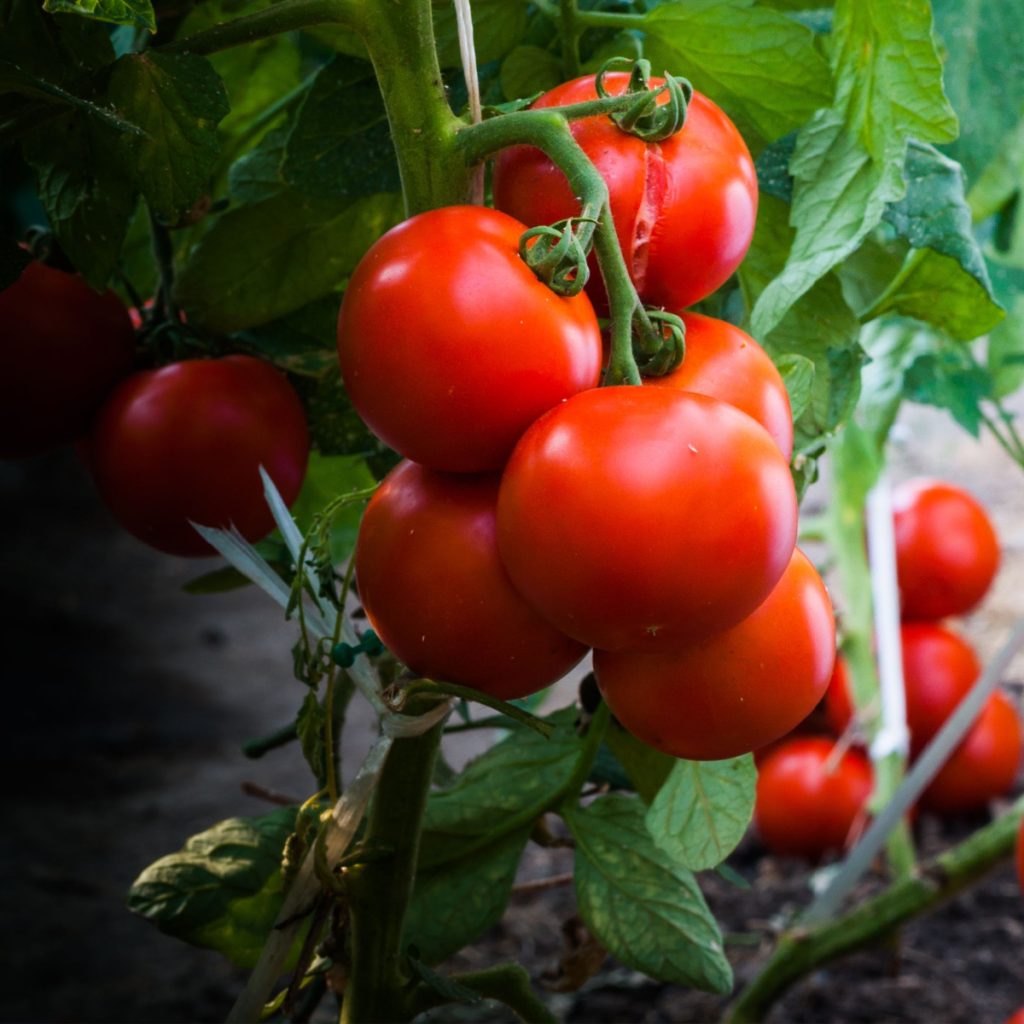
(684, 208)
(734, 691)
(450, 347)
(726, 363)
(434, 588)
(809, 799)
(939, 669)
(186, 442)
(947, 552)
(64, 349)
(634, 517)
(985, 764)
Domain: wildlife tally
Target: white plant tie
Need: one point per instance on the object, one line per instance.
(467, 53)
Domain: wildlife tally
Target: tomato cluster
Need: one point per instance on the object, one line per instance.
(947, 554)
(167, 447)
(536, 514)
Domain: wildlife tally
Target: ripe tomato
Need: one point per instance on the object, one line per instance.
(450, 347)
(634, 517)
(684, 208)
(947, 552)
(1017, 1018)
(186, 442)
(64, 348)
(939, 668)
(801, 809)
(726, 363)
(434, 588)
(731, 692)
(983, 766)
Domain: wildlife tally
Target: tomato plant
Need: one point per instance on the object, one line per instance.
(635, 517)
(724, 362)
(434, 588)
(1020, 855)
(811, 797)
(733, 691)
(64, 348)
(683, 208)
(185, 444)
(947, 552)
(451, 347)
(985, 764)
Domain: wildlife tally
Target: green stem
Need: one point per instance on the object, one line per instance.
(468, 693)
(803, 950)
(568, 16)
(287, 16)
(264, 744)
(380, 889)
(549, 131)
(506, 983)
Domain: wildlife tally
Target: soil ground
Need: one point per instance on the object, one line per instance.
(128, 701)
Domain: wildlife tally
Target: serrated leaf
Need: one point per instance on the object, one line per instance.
(456, 902)
(528, 70)
(847, 166)
(178, 100)
(263, 261)
(703, 810)
(138, 13)
(983, 74)
(798, 375)
(646, 767)
(476, 811)
(223, 890)
(340, 145)
(88, 198)
(762, 67)
(641, 906)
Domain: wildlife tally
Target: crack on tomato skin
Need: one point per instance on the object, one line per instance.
(655, 186)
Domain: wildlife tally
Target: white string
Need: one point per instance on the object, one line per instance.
(467, 53)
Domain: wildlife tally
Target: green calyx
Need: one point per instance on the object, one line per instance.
(646, 118)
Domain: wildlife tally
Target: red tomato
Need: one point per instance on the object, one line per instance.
(983, 766)
(734, 691)
(947, 552)
(64, 348)
(434, 588)
(450, 347)
(1017, 1018)
(634, 517)
(186, 443)
(803, 811)
(939, 669)
(726, 363)
(684, 208)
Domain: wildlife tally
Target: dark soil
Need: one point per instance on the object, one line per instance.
(128, 702)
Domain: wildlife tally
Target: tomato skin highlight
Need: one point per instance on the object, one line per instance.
(450, 347)
(635, 517)
(732, 692)
(185, 442)
(684, 208)
(726, 363)
(802, 811)
(64, 347)
(985, 764)
(947, 551)
(434, 588)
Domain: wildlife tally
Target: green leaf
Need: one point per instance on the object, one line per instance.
(798, 375)
(263, 261)
(87, 196)
(944, 280)
(138, 13)
(646, 767)
(178, 99)
(257, 175)
(329, 477)
(497, 26)
(310, 723)
(340, 145)
(950, 380)
(218, 581)
(643, 907)
(762, 67)
(456, 902)
(702, 811)
(1006, 348)
(59, 50)
(983, 74)
(528, 70)
(478, 810)
(303, 342)
(1001, 179)
(848, 162)
(223, 890)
